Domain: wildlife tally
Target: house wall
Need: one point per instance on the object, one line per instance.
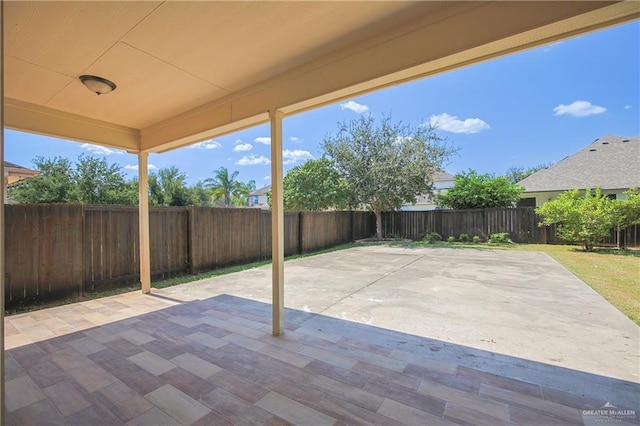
(440, 187)
(543, 197)
(258, 201)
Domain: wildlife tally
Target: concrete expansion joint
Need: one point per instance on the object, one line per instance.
(348, 296)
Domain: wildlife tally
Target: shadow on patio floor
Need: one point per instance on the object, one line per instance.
(215, 361)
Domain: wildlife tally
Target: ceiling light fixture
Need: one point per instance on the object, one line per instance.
(98, 85)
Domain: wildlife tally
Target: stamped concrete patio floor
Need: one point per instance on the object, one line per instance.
(374, 335)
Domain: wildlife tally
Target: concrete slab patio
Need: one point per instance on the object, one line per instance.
(521, 304)
(374, 335)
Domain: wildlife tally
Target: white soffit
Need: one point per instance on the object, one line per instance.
(187, 71)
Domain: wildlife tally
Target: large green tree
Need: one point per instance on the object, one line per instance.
(472, 190)
(54, 184)
(168, 187)
(199, 195)
(315, 185)
(386, 164)
(91, 181)
(98, 182)
(625, 213)
(585, 219)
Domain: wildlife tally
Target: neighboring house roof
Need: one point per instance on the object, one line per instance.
(443, 177)
(261, 191)
(611, 162)
(14, 173)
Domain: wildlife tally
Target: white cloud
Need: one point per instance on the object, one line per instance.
(135, 167)
(548, 47)
(265, 140)
(206, 145)
(243, 147)
(238, 141)
(252, 160)
(355, 107)
(293, 156)
(579, 109)
(100, 150)
(628, 107)
(266, 178)
(451, 123)
(295, 139)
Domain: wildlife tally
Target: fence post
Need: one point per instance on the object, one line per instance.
(190, 237)
(437, 222)
(352, 223)
(82, 261)
(300, 232)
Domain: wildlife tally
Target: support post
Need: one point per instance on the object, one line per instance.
(277, 222)
(2, 196)
(143, 221)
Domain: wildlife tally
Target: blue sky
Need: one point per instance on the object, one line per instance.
(533, 107)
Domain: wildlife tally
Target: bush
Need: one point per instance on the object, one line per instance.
(464, 238)
(476, 239)
(432, 238)
(451, 239)
(500, 238)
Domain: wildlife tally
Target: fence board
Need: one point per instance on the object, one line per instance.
(111, 255)
(168, 233)
(43, 252)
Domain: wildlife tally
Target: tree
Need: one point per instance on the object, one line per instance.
(223, 185)
(586, 220)
(54, 184)
(98, 182)
(516, 174)
(478, 191)
(92, 181)
(168, 187)
(315, 185)
(199, 195)
(386, 165)
(241, 195)
(626, 213)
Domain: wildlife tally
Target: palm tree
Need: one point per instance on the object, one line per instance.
(241, 196)
(223, 186)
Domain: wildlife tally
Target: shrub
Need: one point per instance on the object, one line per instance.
(476, 239)
(500, 238)
(451, 239)
(464, 238)
(432, 238)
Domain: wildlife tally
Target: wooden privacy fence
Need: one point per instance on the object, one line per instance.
(60, 250)
(521, 223)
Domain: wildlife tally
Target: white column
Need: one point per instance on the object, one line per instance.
(2, 283)
(277, 223)
(143, 221)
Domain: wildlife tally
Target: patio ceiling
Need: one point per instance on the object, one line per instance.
(189, 71)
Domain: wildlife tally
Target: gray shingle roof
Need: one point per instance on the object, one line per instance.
(260, 191)
(13, 165)
(442, 177)
(611, 162)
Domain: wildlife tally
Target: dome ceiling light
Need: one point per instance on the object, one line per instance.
(98, 85)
